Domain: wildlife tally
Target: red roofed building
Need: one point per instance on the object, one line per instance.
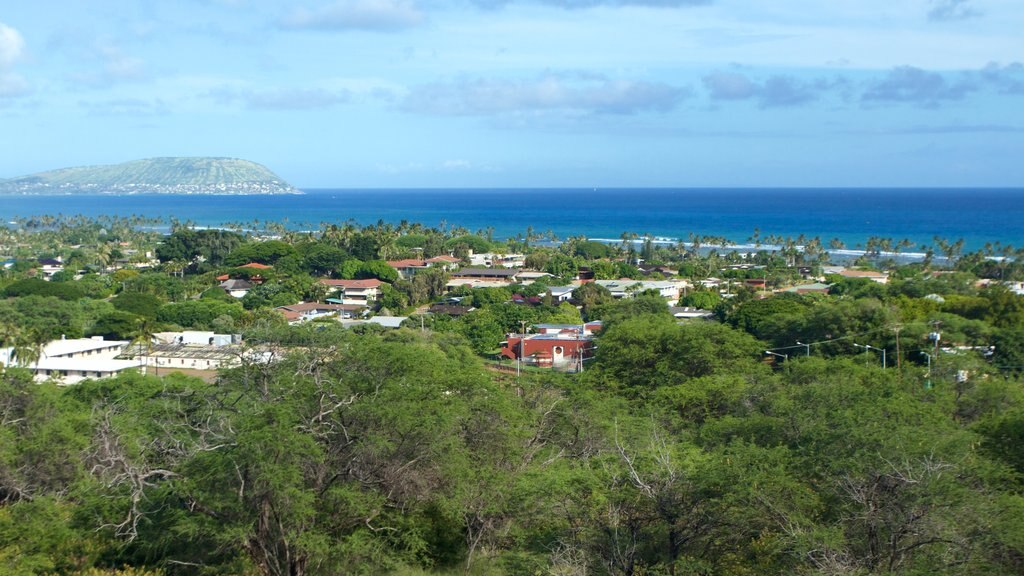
(561, 350)
(256, 266)
(444, 260)
(361, 292)
(408, 267)
(304, 311)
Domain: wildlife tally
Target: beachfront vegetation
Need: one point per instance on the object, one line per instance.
(682, 448)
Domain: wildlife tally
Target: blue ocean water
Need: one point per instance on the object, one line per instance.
(852, 215)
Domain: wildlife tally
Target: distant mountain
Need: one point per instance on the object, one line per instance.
(155, 176)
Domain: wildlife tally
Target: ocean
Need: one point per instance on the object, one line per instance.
(978, 216)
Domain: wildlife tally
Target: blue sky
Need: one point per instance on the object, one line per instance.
(507, 93)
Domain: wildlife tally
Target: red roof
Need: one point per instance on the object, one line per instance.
(316, 306)
(407, 263)
(370, 283)
(222, 277)
(255, 265)
(444, 258)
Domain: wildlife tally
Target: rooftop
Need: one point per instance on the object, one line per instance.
(487, 272)
(68, 347)
(369, 283)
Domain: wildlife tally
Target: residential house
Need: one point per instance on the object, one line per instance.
(490, 259)
(813, 288)
(359, 292)
(529, 276)
(626, 288)
(561, 350)
(688, 313)
(236, 287)
(50, 266)
(561, 293)
(255, 266)
(471, 276)
(408, 267)
(587, 329)
(306, 311)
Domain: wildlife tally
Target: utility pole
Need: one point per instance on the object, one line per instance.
(935, 336)
(897, 329)
(522, 344)
(928, 375)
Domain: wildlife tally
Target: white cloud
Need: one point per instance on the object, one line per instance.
(12, 46)
(369, 15)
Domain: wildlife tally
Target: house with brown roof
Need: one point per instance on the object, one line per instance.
(359, 292)
(408, 267)
(306, 311)
(561, 350)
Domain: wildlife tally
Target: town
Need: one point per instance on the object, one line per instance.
(442, 400)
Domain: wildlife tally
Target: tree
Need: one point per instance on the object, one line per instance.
(198, 314)
(140, 303)
(116, 325)
(37, 287)
(702, 299)
(646, 352)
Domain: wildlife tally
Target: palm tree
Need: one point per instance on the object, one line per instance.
(144, 330)
(27, 346)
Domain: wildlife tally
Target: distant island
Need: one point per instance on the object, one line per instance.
(155, 176)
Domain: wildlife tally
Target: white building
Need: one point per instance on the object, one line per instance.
(362, 292)
(71, 361)
(490, 259)
(626, 288)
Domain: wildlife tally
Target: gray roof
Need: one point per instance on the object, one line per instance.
(235, 284)
(487, 272)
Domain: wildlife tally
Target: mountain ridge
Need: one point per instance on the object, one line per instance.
(163, 175)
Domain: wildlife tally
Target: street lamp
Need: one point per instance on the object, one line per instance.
(808, 346)
(870, 347)
(783, 356)
(928, 379)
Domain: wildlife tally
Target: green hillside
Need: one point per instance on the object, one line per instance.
(155, 176)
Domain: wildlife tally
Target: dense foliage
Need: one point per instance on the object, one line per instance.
(770, 441)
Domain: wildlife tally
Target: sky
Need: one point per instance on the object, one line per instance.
(524, 93)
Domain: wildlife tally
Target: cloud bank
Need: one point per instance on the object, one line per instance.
(776, 91)
(551, 92)
(900, 85)
(948, 10)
